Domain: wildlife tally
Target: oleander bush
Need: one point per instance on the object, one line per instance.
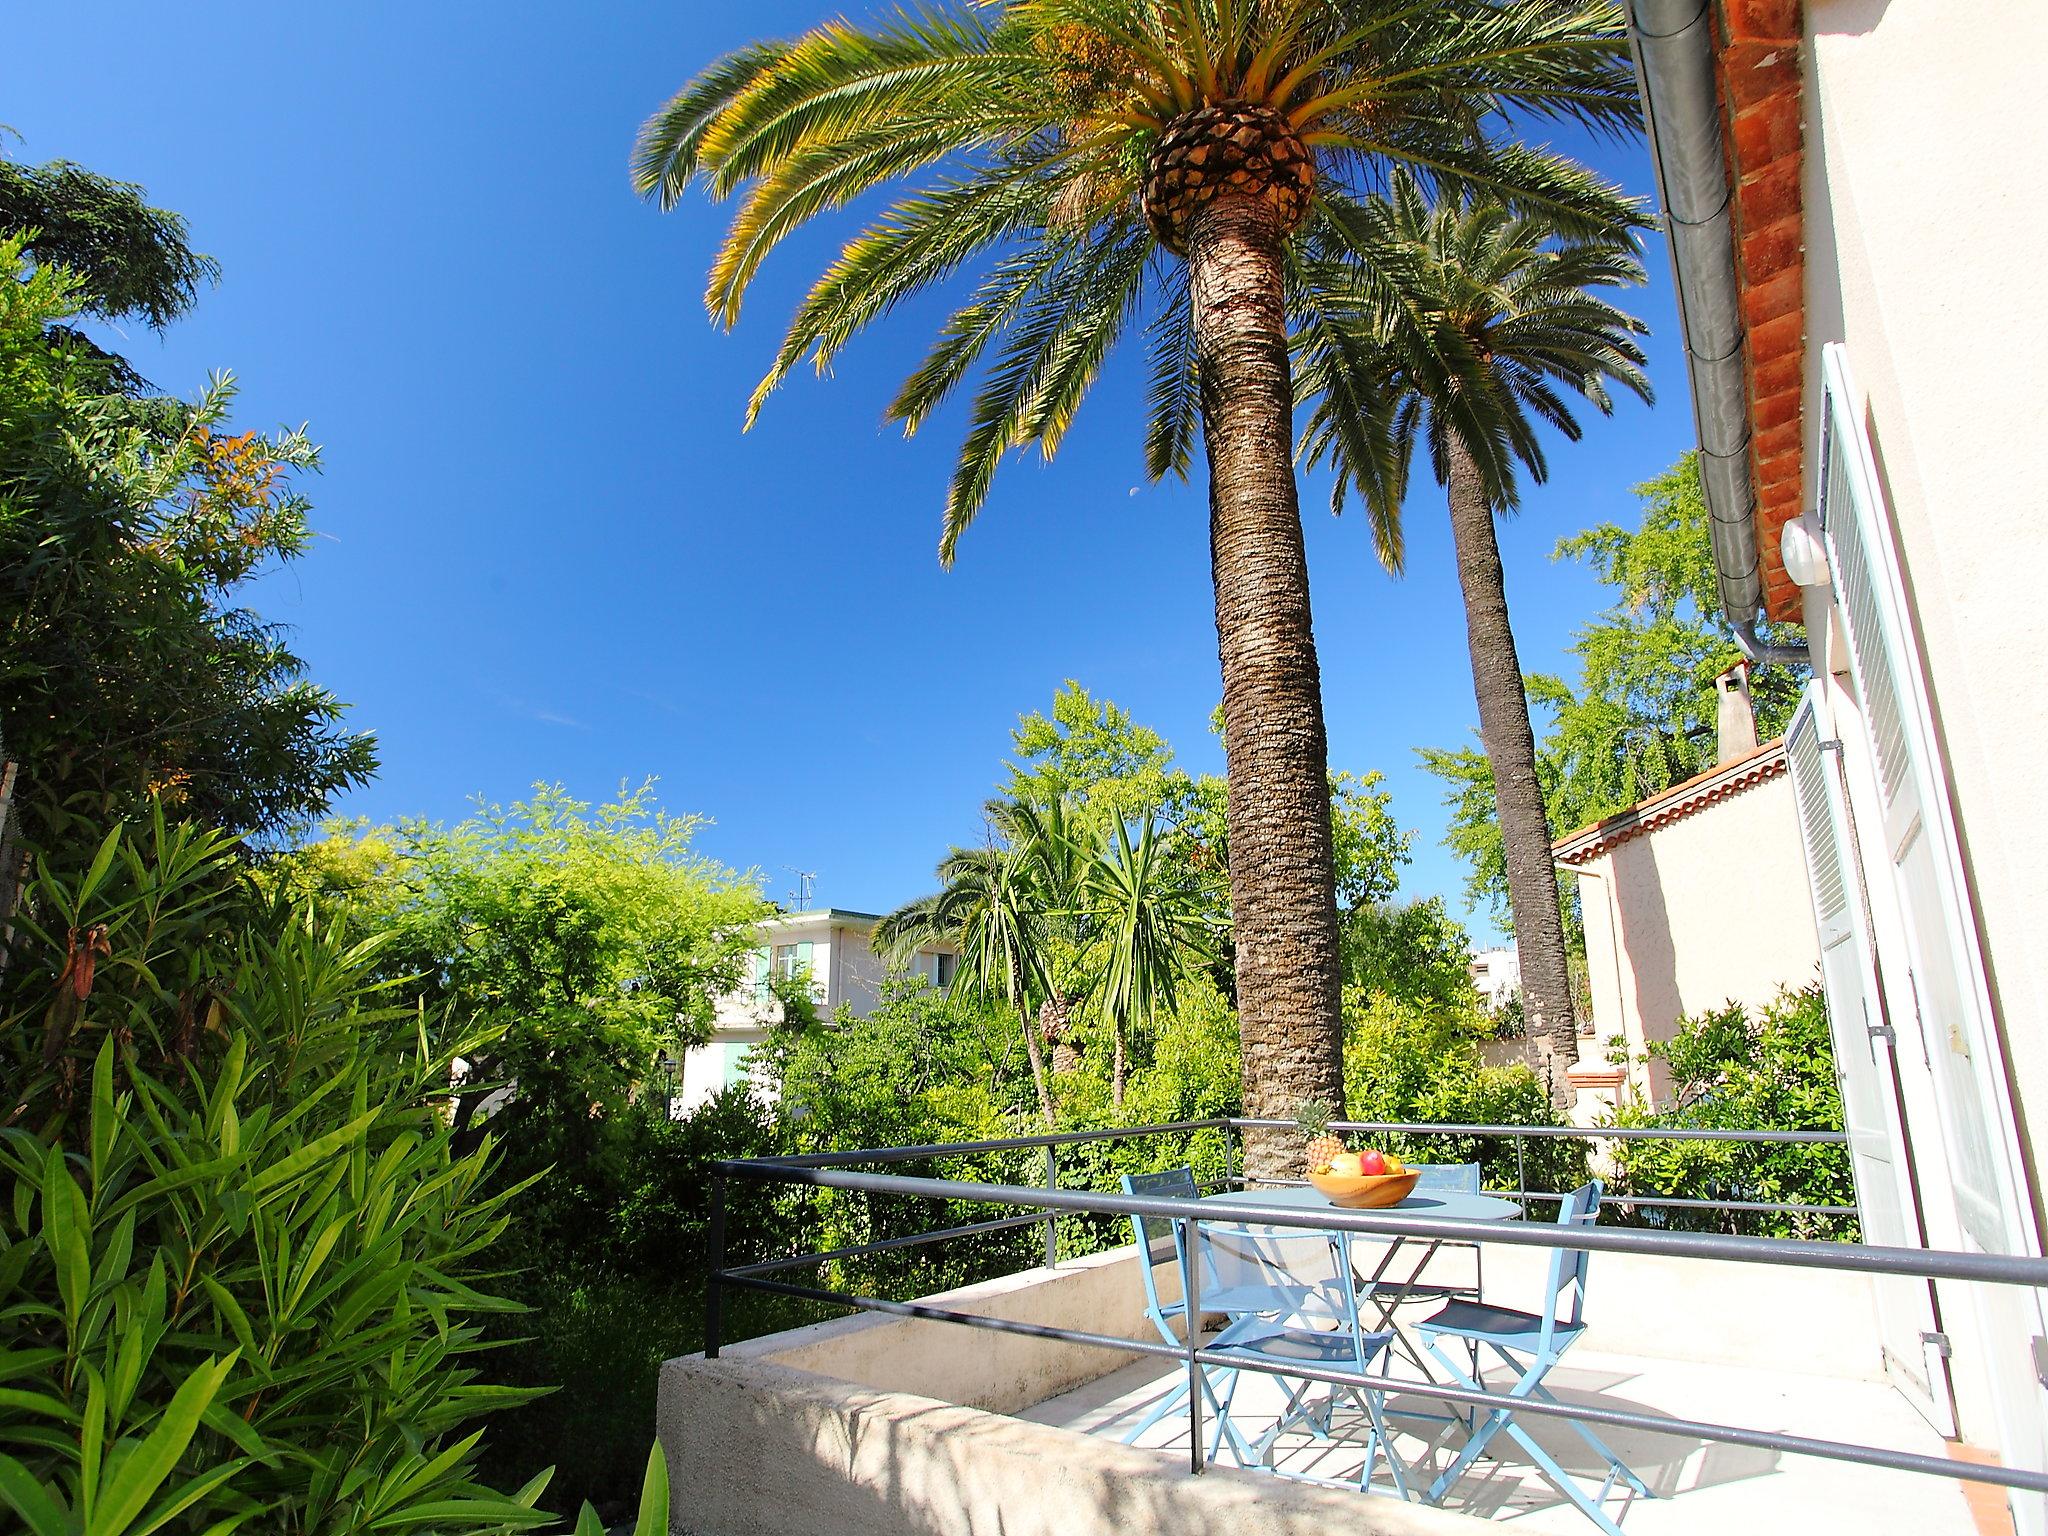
(243, 1269)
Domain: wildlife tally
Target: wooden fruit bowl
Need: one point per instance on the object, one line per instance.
(1365, 1192)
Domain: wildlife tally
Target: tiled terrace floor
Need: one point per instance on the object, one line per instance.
(1700, 1487)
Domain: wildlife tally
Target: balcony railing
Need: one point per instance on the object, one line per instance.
(1045, 1205)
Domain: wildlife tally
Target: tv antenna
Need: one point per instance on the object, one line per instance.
(805, 879)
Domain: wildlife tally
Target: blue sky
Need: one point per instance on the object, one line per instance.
(550, 553)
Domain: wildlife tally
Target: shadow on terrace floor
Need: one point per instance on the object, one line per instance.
(1699, 1487)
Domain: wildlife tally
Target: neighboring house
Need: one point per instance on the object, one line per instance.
(1497, 974)
(1852, 192)
(1693, 899)
(833, 948)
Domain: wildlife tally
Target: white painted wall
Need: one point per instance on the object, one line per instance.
(1924, 228)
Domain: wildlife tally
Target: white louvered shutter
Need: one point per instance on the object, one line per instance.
(1922, 855)
(1880, 1150)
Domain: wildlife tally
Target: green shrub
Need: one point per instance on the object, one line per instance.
(1732, 1071)
(1420, 1063)
(238, 1258)
(241, 1261)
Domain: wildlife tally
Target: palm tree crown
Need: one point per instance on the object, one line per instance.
(1479, 320)
(1062, 146)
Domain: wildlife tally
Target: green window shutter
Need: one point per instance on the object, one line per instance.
(738, 1065)
(803, 954)
(760, 972)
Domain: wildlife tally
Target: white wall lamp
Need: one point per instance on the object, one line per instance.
(1801, 549)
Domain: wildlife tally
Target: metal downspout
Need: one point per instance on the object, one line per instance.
(1674, 53)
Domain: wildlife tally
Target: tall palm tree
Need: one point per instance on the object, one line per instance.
(1492, 324)
(1152, 922)
(987, 906)
(1099, 162)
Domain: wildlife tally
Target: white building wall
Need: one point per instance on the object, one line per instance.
(1925, 228)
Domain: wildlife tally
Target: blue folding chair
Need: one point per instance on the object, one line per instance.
(1530, 1344)
(1299, 1307)
(1384, 1294)
(1154, 1234)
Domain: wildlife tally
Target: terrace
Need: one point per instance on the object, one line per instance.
(1741, 1378)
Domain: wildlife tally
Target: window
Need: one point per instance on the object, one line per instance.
(944, 967)
(792, 958)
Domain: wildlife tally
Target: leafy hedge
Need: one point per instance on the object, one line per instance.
(1732, 1070)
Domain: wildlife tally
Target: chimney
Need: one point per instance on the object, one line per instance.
(1737, 717)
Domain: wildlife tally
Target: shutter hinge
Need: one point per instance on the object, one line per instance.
(1882, 1032)
(2041, 1360)
(1943, 1350)
(1831, 744)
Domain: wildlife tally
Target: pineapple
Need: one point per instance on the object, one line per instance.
(1229, 146)
(1312, 1117)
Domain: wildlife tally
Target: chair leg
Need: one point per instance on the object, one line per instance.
(1600, 1449)
(1561, 1480)
(1166, 1405)
(1381, 1440)
(1479, 1438)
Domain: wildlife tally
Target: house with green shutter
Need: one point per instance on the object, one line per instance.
(829, 945)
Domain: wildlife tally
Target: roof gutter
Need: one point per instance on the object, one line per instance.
(1674, 52)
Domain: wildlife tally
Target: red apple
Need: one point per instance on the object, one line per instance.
(1372, 1164)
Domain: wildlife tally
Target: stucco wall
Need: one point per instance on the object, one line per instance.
(759, 1449)
(1707, 910)
(997, 1371)
(1925, 226)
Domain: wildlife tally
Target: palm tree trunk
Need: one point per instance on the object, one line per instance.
(1116, 1070)
(1038, 1079)
(1283, 902)
(1518, 795)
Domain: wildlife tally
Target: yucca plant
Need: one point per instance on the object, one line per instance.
(1493, 324)
(1151, 925)
(1104, 165)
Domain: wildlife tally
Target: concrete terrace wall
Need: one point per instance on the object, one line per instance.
(1000, 1372)
(881, 1426)
(757, 1449)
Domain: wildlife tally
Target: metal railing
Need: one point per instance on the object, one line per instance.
(1043, 1205)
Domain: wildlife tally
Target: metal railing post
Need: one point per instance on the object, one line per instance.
(1052, 1216)
(1521, 1175)
(1229, 1155)
(714, 1286)
(1191, 1291)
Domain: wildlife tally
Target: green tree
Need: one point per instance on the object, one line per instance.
(993, 906)
(1089, 755)
(128, 674)
(588, 941)
(1496, 326)
(1643, 716)
(1100, 159)
(127, 258)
